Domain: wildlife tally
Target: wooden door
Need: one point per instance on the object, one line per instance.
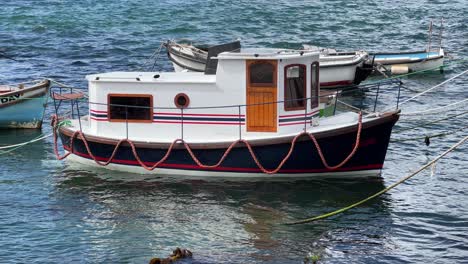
(262, 95)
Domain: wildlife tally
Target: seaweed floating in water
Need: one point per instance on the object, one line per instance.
(176, 255)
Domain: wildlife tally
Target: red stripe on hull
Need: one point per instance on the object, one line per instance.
(295, 123)
(201, 123)
(227, 169)
(186, 114)
(98, 119)
(98, 111)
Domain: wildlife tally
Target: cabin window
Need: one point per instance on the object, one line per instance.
(181, 100)
(130, 107)
(262, 73)
(314, 85)
(294, 87)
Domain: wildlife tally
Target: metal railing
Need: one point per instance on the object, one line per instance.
(367, 95)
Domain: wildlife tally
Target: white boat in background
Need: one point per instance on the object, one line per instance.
(337, 69)
(186, 57)
(412, 61)
(403, 62)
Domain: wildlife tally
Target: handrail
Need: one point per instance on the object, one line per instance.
(343, 92)
(238, 114)
(367, 88)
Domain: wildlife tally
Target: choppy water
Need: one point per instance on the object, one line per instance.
(51, 213)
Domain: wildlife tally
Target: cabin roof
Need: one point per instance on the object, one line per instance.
(265, 54)
(153, 77)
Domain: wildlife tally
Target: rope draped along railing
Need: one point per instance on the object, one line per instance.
(56, 125)
(342, 210)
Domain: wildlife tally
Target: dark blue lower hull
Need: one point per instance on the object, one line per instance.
(370, 154)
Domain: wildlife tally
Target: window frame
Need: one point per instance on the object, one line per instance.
(304, 67)
(274, 72)
(185, 96)
(150, 96)
(315, 102)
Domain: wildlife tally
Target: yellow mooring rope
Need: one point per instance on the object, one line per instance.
(308, 220)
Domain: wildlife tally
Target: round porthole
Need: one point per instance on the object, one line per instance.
(181, 100)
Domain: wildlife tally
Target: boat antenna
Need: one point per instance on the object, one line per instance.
(441, 31)
(429, 37)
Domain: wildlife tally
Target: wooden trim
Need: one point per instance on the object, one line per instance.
(275, 73)
(304, 67)
(131, 120)
(317, 80)
(262, 88)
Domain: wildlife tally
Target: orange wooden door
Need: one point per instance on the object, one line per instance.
(262, 96)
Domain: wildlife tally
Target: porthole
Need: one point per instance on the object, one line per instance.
(181, 100)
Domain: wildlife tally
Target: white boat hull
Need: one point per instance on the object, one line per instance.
(336, 70)
(411, 61)
(337, 76)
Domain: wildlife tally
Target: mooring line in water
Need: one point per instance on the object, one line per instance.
(12, 148)
(430, 123)
(429, 111)
(434, 87)
(428, 90)
(327, 215)
(426, 138)
(79, 133)
(27, 142)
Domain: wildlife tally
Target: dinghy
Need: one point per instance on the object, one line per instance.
(23, 105)
(404, 62)
(337, 69)
(412, 61)
(257, 115)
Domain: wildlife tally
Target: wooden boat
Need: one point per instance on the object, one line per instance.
(403, 62)
(337, 69)
(257, 115)
(23, 106)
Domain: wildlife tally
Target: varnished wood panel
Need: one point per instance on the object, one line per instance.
(262, 112)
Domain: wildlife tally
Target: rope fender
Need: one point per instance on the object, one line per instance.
(56, 125)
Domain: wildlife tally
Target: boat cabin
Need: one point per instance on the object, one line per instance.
(254, 92)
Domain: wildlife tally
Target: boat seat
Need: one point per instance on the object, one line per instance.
(67, 96)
